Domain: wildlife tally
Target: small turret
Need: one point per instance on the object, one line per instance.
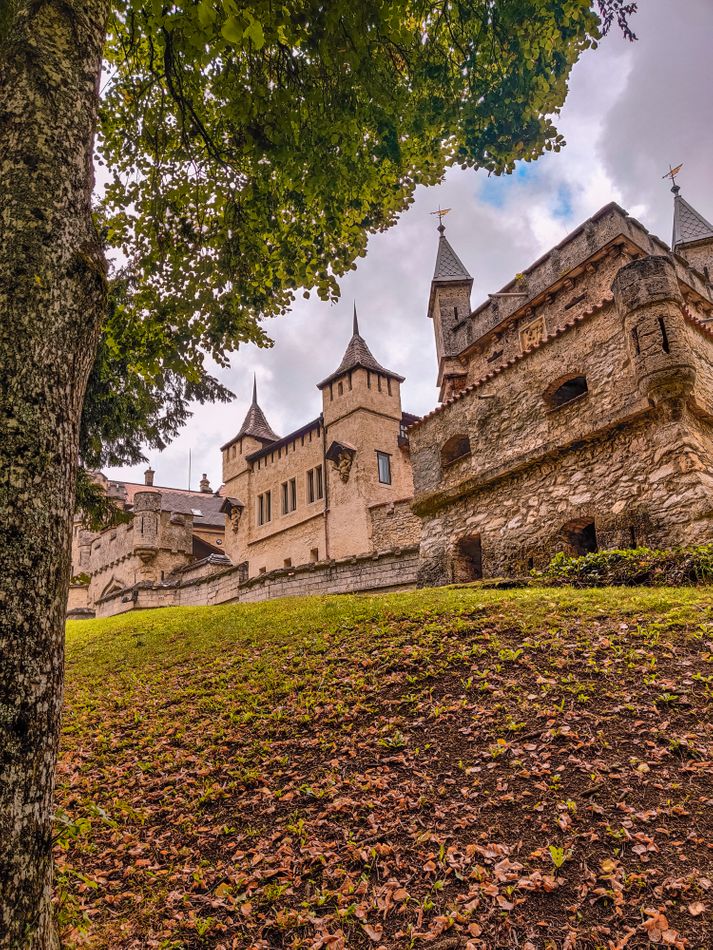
(148, 476)
(359, 380)
(147, 512)
(649, 300)
(449, 303)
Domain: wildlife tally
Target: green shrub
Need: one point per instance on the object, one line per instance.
(631, 568)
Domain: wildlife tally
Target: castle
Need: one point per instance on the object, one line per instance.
(339, 485)
(575, 414)
(576, 404)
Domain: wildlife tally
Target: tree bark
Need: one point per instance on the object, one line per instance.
(52, 299)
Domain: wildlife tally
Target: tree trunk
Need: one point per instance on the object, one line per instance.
(52, 299)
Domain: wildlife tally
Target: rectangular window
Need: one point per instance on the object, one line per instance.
(289, 496)
(384, 463)
(264, 508)
(315, 484)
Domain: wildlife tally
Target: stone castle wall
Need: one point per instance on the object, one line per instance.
(630, 458)
(148, 548)
(508, 418)
(373, 572)
(393, 525)
(361, 409)
(646, 483)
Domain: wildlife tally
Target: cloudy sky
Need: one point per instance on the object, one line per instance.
(632, 109)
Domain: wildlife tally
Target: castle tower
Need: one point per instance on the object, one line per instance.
(254, 434)
(448, 305)
(365, 456)
(649, 300)
(692, 235)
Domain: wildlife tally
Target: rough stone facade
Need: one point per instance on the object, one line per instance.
(577, 406)
(167, 530)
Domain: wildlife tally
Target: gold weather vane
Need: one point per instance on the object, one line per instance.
(671, 173)
(442, 212)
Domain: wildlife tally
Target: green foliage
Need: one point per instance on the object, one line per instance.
(253, 148)
(633, 567)
(142, 383)
(98, 510)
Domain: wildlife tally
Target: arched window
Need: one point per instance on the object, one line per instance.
(565, 389)
(457, 447)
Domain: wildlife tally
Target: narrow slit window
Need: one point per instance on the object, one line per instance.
(635, 340)
(665, 346)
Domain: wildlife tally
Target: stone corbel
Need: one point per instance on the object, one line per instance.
(233, 508)
(341, 455)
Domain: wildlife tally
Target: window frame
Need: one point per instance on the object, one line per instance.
(459, 439)
(264, 508)
(315, 484)
(551, 392)
(386, 456)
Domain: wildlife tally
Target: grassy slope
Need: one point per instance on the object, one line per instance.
(394, 771)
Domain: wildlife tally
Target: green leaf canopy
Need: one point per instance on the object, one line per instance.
(252, 148)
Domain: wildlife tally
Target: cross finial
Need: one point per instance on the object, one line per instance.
(671, 173)
(442, 212)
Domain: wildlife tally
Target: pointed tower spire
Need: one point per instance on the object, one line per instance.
(255, 422)
(448, 306)
(692, 233)
(357, 354)
(688, 224)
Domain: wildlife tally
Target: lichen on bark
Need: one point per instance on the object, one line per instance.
(52, 299)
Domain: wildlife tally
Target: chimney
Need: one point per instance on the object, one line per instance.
(148, 476)
(204, 485)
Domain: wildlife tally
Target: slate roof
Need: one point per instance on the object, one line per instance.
(688, 224)
(448, 265)
(285, 440)
(182, 500)
(187, 503)
(254, 424)
(358, 354)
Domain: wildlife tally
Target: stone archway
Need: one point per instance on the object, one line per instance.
(113, 587)
(580, 537)
(467, 560)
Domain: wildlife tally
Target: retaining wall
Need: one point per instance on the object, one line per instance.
(388, 570)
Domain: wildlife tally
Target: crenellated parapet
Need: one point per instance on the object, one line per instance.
(649, 300)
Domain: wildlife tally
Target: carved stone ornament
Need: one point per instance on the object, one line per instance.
(533, 334)
(235, 514)
(344, 465)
